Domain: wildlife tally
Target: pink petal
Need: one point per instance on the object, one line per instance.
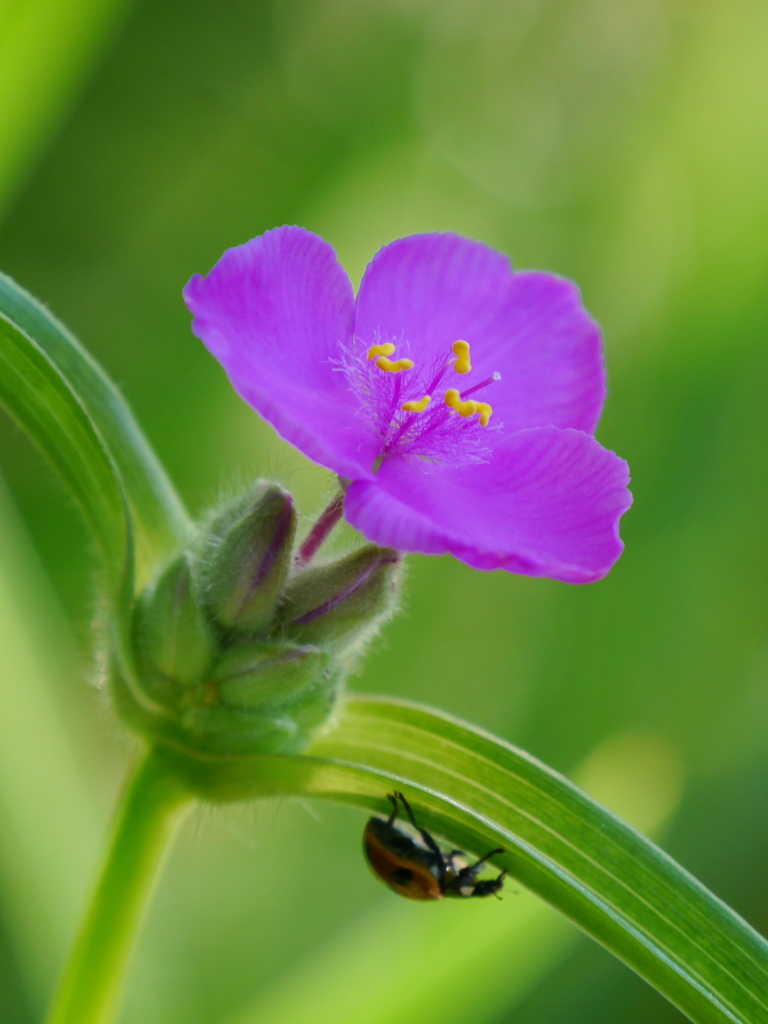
(548, 504)
(274, 312)
(428, 291)
(549, 353)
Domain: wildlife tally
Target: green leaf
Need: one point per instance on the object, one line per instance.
(45, 407)
(50, 836)
(466, 960)
(160, 522)
(478, 792)
(41, 401)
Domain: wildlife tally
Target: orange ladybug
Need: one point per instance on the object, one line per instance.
(417, 868)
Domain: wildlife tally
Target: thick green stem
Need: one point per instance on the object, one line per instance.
(151, 808)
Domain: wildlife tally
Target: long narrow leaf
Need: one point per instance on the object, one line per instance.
(50, 832)
(160, 521)
(469, 960)
(479, 792)
(42, 403)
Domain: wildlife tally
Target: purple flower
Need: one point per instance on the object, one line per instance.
(458, 397)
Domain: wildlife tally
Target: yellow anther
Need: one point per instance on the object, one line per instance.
(462, 364)
(419, 406)
(453, 399)
(386, 364)
(485, 413)
(380, 350)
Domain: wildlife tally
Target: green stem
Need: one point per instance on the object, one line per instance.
(150, 810)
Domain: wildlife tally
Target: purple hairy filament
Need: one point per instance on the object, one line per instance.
(422, 414)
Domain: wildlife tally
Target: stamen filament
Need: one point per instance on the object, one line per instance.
(440, 412)
(437, 378)
(396, 393)
(478, 387)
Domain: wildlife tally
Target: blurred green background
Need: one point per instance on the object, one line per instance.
(622, 144)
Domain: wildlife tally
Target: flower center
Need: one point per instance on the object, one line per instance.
(419, 411)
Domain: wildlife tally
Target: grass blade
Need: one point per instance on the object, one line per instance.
(45, 407)
(479, 792)
(50, 835)
(161, 524)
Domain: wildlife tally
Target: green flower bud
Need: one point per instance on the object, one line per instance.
(233, 655)
(340, 604)
(174, 643)
(247, 568)
(259, 675)
(252, 697)
(263, 698)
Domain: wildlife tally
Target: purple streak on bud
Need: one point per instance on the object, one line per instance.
(249, 561)
(259, 675)
(336, 604)
(283, 532)
(344, 595)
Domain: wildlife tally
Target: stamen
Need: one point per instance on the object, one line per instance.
(418, 413)
(462, 364)
(401, 364)
(380, 350)
(478, 387)
(437, 378)
(485, 411)
(419, 406)
(453, 399)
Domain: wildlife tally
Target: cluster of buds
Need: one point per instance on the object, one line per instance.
(238, 648)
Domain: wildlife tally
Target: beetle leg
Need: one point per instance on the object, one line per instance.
(393, 815)
(430, 842)
(399, 796)
(470, 872)
(488, 856)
